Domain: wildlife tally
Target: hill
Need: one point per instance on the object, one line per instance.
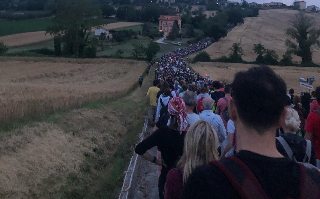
(268, 29)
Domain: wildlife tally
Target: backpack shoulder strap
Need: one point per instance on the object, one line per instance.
(241, 177)
(161, 102)
(225, 99)
(317, 111)
(285, 146)
(310, 182)
(308, 150)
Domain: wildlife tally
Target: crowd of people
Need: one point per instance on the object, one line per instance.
(248, 140)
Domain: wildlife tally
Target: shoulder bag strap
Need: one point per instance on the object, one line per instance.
(241, 177)
(317, 111)
(285, 146)
(161, 102)
(226, 100)
(308, 150)
(309, 182)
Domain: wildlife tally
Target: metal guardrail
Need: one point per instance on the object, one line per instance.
(131, 173)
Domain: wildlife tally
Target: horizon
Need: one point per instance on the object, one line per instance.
(287, 2)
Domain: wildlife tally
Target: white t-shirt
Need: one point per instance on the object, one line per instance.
(202, 95)
(192, 118)
(230, 129)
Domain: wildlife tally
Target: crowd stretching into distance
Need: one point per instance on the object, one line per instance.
(249, 139)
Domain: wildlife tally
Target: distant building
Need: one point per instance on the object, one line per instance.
(253, 4)
(225, 3)
(100, 31)
(312, 8)
(166, 23)
(168, 1)
(302, 4)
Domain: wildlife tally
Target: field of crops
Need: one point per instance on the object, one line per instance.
(37, 86)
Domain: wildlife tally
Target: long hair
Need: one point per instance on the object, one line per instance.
(200, 147)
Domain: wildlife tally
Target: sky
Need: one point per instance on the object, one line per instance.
(287, 2)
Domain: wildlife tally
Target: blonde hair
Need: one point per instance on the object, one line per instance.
(292, 120)
(200, 147)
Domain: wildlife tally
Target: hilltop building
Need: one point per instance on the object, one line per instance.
(166, 23)
(312, 8)
(301, 4)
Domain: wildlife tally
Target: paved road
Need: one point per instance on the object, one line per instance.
(147, 180)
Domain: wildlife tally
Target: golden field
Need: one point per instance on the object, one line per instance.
(226, 72)
(267, 29)
(28, 38)
(34, 87)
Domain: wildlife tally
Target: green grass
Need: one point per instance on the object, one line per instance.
(125, 46)
(8, 27)
(135, 28)
(22, 26)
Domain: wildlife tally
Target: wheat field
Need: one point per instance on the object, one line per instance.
(226, 72)
(35, 87)
(267, 29)
(28, 38)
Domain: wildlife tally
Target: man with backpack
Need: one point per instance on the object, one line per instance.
(140, 81)
(163, 115)
(258, 170)
(222, 105)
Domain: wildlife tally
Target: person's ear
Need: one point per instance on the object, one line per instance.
(232, 110)
(282, 117)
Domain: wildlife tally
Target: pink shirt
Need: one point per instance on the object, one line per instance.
(174, 184)
(314, 106)
(222, 104)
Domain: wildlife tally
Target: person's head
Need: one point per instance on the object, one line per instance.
(208, 103)
(259, 97)
(317, 94)
(155, 82)
(200, 147)
(190, 98)
(184, 87)
(177, 110)
(216, 85)
(167, 92)
(203, 90)
(227, 89)
(165, 85)
(296, 101)
(292, 121)
(191, 87)
(291, 91)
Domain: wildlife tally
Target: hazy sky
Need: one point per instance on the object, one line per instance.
(288, 2)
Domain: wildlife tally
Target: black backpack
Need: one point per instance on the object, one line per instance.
(225, 113)
(164, 115)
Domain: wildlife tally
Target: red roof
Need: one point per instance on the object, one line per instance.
(169, 17)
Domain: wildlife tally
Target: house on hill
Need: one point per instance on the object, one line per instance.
(253, 4)
(312, 8)
(302, 4)
(166, 23)
(100, 31)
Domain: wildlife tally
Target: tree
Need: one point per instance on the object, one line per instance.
(305, 36)
(107, 10)
(260, 50)
(3, 48)
(286, 60)
(202, 56)
(189, 30)
(244, 4)
(57, 45)
(118, 53)
(236, 53)
(175, 31)
(122, 11)
(152, 50)
(271, 57)
(215, 30)
(236, 16)
(138, 51)
(73, 23)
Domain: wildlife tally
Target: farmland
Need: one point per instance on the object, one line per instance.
(226, 72)
(267, 29)
(71, 153)
(35, 87)
(29, 38)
